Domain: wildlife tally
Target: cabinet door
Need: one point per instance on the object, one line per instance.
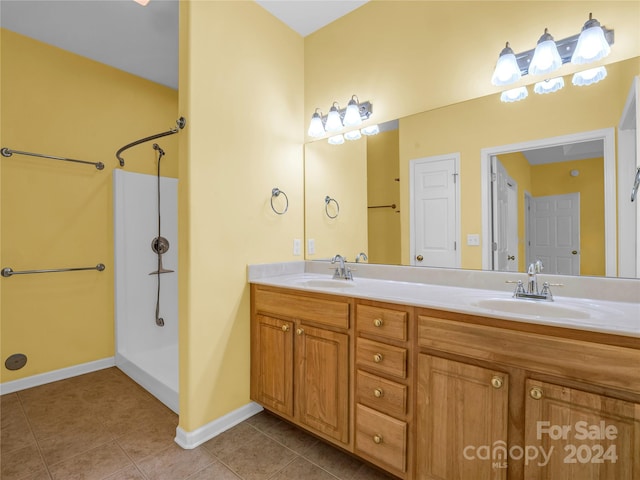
(322, 359)
(580, 435)
(275, 364)
(462, 421)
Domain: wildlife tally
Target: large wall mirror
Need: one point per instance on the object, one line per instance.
(485, 185)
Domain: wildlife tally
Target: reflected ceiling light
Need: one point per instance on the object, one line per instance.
(592, 44)
(334, 122)
(142, 2)
(370, 130)
(546, 58)
(316, 128)
(549, 86)
(589, 77)
(353, 135)
(507, 70)
(336, 140)
(514, 95)
(352, 114)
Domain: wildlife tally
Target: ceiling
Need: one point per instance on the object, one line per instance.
(140, 40)
(565, 153)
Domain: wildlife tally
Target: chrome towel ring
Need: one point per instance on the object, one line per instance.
(327, 201)
(275, 192)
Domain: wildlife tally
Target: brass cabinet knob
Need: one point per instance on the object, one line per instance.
(536, 393)
(419, 258)
(574, 252)
(378, 322)
(378, 393)
(285, 328)
(377, 357)
(300, 331)
(497, 382)
(377, 439)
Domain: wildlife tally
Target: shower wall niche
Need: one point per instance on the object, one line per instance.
(145, 351)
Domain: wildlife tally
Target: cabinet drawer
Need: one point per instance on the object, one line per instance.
(383, 395)
(389, 323)
(381, 437)
(381, 357)
(327, 312)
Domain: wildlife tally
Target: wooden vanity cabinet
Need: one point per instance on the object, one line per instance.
(300, 360)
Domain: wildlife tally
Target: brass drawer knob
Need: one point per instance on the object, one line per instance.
(285, 328)
(377, 439)
(536, 393)
(378, 393)
(378, 322)
(497, 382)
(300, 331)
(377, 357)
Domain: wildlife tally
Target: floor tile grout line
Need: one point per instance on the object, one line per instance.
(38, 446)
(133, 462)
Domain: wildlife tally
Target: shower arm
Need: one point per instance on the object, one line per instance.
(181, 122)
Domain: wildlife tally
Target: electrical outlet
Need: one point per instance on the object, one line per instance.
(473, 239)
(311, 246)
(297, 245)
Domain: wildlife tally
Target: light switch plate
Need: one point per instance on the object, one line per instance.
(311, 246)
(297, 245)
(473, 239)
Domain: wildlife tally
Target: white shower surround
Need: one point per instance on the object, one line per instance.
(144, 351)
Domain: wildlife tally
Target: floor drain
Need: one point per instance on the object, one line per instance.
(15, 361)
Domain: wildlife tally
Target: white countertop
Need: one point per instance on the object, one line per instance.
(599, 315)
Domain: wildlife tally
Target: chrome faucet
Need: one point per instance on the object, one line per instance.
(532, 292)
(362, 256)
(342, 270)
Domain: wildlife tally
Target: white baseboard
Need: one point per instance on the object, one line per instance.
(55, 375)
(189, 440)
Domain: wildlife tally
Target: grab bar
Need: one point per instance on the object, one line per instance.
(393, 205)
(181, 122)
(7, 271)
(7, 152)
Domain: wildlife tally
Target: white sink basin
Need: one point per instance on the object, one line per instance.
(531, 307)
(326, 283)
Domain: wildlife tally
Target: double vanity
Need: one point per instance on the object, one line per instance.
(441, 374)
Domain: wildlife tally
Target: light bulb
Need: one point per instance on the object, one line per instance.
(546, 58)
(507, 70)
(352, 114)
(334, 122)
(316, 129)
(370, 130)
(589, 77)
(353, 135)
(549, 86)
(336, 140)
(514, 95)
(592, 45)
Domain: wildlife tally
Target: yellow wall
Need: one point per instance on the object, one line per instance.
(340, 172)
(241, 89)
(58, 214)
(554, 179)
(383, 164)
(412, 56)
(468, 127)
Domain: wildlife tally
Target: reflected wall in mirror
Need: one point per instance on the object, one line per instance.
(466, 129)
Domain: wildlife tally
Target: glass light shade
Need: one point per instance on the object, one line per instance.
(370, 130)
(352, 114)
(507, 70)
(142, 2)
(336, 140)
(334, 122)
(592, 45)
(353, 135)
(549, 86)
(316, 129)
(546, 58)
(589, 77)
(514, 95)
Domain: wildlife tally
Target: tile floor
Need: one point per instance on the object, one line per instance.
(103, 426)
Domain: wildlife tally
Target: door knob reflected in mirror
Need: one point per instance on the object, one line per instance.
(511, 257)
(419, 258)
(574, 252)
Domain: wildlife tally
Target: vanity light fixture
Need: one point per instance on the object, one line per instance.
(336, 139)
(353, 135)
(353, 115)
(584, 47)
(370, 130)
(592, 44)
(589, 77)
(507, 70)
(546, 58)
(549, 86)
(514, 95)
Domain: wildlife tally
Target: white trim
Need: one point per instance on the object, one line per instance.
(189, 440)
(607, 135)
(412, 165)
(56, 375)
